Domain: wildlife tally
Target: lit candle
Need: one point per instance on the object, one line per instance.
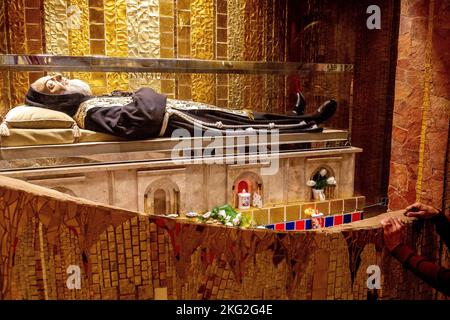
(244, 200)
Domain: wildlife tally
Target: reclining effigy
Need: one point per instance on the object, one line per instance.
(147, 114)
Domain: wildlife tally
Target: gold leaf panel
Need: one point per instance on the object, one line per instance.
(4, 93)
(17, 36)
(19, 87)
(236, 37)
(143, 39)
(116, 36)
(202, 47)
(3, 43)
(56, 32)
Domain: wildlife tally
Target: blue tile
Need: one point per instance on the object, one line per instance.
(307, 224)
(329, 221)
(347, 218)
(290, 225)
(270, 226)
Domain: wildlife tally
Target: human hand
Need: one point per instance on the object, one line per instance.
(392, 229)
(420, 210)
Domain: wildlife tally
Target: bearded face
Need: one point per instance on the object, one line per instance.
(57, 84)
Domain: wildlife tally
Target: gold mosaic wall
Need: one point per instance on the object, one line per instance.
(250, 30)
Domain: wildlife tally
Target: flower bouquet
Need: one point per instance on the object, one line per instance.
(223, 215)
(319, 182)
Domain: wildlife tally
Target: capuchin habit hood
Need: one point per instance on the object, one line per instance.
(66, 102)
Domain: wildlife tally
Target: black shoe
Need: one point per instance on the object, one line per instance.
(300, 104)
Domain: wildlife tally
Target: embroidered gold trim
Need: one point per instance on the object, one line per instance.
(103, 102)
(192, 105)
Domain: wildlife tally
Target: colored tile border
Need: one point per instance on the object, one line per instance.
(326, 222)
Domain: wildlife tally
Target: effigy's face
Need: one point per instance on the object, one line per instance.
(57, 84)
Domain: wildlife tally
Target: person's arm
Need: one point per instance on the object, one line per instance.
(438, 277)
(442, 227)
(440, 220)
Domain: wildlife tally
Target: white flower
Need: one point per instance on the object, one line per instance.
(331, 180)
(191, 214)
(311, 183)
(236, 221)
(207, 215)
(227, 218)
(239, 215)
(323, 172)
(229, 224)
(222, 213)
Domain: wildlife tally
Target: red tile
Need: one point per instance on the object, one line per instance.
(337, 219)
(356, 216)
(300, 225)
(279, 226)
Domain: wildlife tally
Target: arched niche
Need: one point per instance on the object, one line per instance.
(328, 190)
(249, 181)
(162, 197)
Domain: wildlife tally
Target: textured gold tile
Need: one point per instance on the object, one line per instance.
(261, 216)
(16, 13)
(79, 38)
(276, 215)
(221, 20)
(184, 49)
(97, 47)
(97, 31)
(34, 32)
(349, 205)
(56, 38)
(168, 86)
(4, 93)
(167, 53)
(184, 4)
(33, 16)
(166, 24)
(292, 212)
(202, 47)
(96, 15)
(19, 85)
(337, 206)
(184, 92)
(184, 34)
(167, 40)
(34, 46)
(96, 3)
(222, 35)
(184, 19)
(33, 3)
(222, 6)
(3, 44)
(323, 207)
(166, 7)
(361, 203)
(222, 92)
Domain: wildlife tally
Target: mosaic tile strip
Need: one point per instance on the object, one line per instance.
(326, 221)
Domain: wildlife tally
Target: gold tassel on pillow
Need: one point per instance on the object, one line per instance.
(76, 131)
(4, 130)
